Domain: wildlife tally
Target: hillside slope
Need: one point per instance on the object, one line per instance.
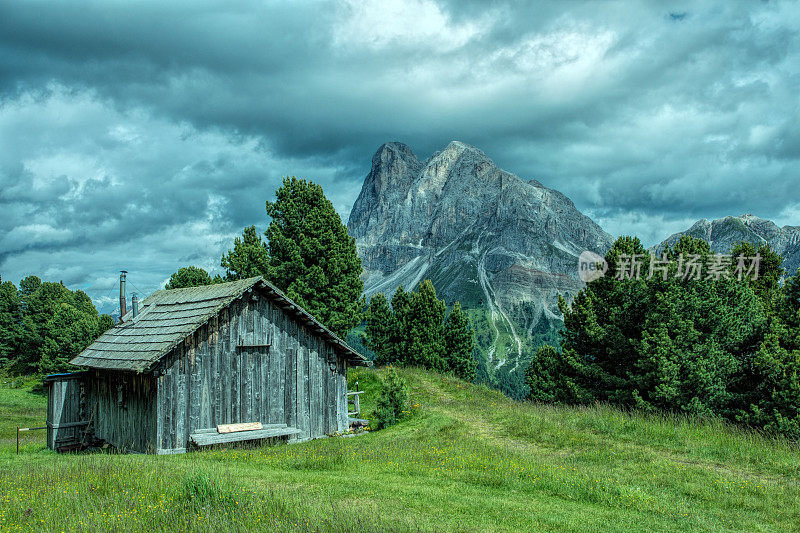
(504, 247)
(467, 459)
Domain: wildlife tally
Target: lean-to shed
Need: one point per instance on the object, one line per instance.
(196, 358)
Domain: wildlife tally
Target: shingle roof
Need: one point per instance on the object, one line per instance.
(167, 317)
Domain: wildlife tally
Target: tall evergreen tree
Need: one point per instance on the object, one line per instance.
(378, 328)
(425, 325)
(248, 258)
(28, 286)
(599, 339)
(40, 306)
(459, 344)
(698, 344)
(546, 377)
(399, 346)
(687, 246)
(104, 324)
(790, 303)
(773, 401)
(312, 257)
(770, 396)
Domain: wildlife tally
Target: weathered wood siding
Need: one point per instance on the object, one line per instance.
(208, 381)
(122, 406)
(65, 412)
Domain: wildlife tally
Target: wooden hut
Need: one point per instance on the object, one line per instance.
(195, 361)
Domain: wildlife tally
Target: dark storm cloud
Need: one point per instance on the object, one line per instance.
(145, 135)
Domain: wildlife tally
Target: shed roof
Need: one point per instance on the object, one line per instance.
(167, 317)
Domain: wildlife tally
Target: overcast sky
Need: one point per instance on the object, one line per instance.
(145, 135)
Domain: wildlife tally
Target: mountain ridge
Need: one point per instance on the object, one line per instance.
(723, 233)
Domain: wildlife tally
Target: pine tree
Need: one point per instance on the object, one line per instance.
(541, 376)
(459, 344)
(248, 258)
(399, 347)
(69, 331)
(312, 257)
(660, 343)
(28, 286)
(416, 330)
(700, 345)
(104, 324)
(425, 328)
(378, 329)
(603, 324)
(774, 400)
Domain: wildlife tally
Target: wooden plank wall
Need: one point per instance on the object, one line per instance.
(65, 405)
(121, 406)
(208, 381)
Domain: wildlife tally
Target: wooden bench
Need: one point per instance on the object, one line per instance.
(209, 436)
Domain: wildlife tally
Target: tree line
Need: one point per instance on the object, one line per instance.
(43, 325)
(700, 345)
(417, 330)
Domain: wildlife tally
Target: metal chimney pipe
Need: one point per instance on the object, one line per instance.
(135, 304)
(123, 305)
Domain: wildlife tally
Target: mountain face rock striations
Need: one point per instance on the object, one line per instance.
(506, 248)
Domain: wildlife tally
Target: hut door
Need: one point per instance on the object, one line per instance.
(66, 411)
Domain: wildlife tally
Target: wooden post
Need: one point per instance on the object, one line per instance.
(25, 429)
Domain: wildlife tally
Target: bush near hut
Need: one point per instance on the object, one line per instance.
(392, 401)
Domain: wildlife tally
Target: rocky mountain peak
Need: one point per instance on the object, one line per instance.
(393, 151)
(394, 167)
(505, 248)
(455, 149)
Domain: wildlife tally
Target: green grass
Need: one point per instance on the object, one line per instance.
(467, 459)
(21, 406)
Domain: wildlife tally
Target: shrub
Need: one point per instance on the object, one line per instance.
(392, 401)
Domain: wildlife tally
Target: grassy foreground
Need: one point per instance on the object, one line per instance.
(467, 458)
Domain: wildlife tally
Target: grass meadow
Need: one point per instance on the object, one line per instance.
(466, 459)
